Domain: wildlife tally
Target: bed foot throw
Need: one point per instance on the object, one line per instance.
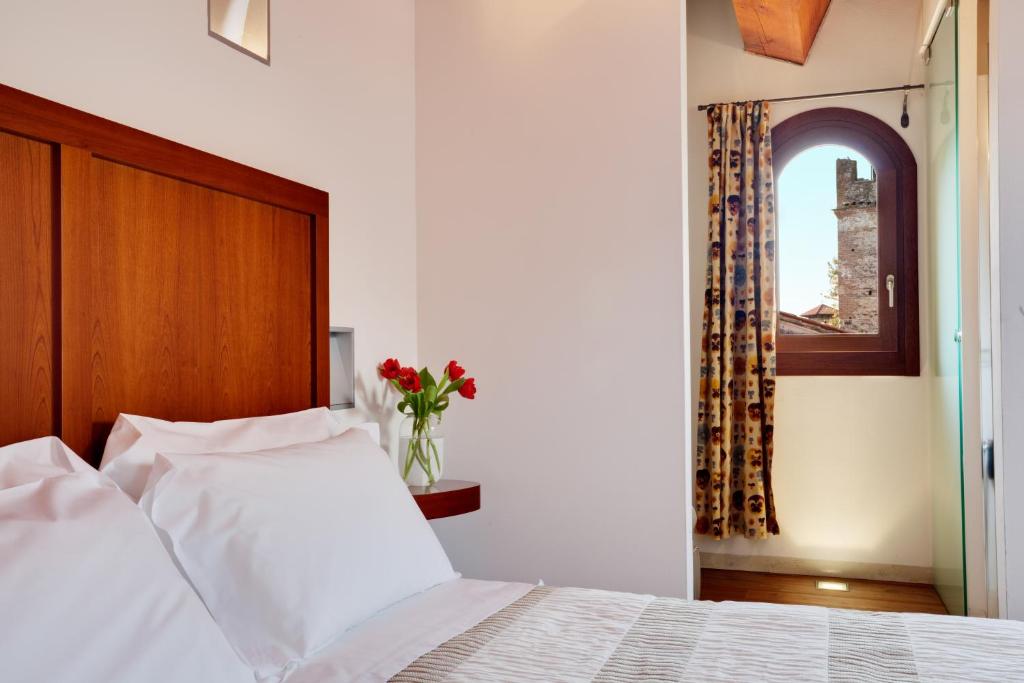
(571, 634)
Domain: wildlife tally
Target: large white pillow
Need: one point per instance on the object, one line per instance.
(289, 547)
(30, 461)
(89, 593)
(135, 440)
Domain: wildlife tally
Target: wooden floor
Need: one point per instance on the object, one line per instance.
(787, 589)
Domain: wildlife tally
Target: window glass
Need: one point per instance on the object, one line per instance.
(827, 199)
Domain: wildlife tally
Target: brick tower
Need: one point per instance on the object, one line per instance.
(857, 211)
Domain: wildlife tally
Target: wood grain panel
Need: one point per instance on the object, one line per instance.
(76, 325)
(28, 403)
(201, 301)
(783, 29)
(321, 311)
(140, 275)
(44, 119)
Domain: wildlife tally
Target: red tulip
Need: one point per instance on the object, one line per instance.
(390, 368)
(468, 388)
(455, 371)
(409, 380)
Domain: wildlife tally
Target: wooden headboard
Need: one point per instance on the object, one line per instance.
(138, 275)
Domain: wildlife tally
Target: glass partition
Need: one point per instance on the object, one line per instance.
(945, 440)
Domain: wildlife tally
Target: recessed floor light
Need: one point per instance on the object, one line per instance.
(832, 586)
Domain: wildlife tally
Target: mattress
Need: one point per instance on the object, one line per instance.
(458, 632)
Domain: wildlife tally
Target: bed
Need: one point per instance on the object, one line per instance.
(537, 633)
(143, 277)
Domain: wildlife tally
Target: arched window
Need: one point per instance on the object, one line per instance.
(846, 211)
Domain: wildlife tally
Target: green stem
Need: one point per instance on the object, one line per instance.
(416, 451)
(425, 464)
(409, 456)
(437, 459)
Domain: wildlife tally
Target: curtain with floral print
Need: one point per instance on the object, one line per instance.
(733, 492)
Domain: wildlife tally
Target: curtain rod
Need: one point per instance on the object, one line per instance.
(938, 14)
(822, 96)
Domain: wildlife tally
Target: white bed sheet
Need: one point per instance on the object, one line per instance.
(384, 645)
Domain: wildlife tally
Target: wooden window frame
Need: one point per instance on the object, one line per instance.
(895, 349)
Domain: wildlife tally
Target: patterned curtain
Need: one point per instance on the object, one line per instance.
(737, 370)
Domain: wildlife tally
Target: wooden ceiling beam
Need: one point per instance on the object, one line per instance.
(783, 29)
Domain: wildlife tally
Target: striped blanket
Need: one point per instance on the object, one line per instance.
(571, 634)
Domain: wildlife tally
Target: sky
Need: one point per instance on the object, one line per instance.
(807, 232)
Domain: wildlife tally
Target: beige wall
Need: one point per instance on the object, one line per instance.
(851, 463)
(336, 111)
(1008, 251)
(551, 263)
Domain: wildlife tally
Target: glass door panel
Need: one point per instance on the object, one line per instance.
(945, 440)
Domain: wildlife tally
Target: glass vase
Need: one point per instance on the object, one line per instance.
(421, 450)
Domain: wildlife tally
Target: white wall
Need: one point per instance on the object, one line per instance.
(335, 111)
(851, 459)
(550, 210)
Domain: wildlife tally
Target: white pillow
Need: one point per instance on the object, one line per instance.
(89, 593)
(371, 428)
(135, 440)
(291, 546)
(30, 461)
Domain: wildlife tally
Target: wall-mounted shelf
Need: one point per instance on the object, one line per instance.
(447, 498)
(343, 368)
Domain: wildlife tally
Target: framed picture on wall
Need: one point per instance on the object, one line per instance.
(242, 24)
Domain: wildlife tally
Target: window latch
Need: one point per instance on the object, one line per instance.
(890, 284)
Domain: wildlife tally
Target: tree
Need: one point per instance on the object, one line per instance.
(832, 295)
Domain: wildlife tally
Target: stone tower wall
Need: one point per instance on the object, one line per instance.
(857, 211)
